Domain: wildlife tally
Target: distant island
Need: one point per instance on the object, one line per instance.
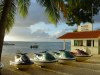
(6, 43)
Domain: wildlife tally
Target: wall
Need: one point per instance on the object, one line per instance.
(99, 45)
(90, 50)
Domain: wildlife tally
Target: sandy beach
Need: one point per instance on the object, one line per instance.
(89, 67)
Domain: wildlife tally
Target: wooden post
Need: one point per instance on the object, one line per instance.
(92, 45)
(64, 45)
(99, 46)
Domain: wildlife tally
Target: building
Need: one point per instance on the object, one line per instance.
(85, 27)
(85, 39)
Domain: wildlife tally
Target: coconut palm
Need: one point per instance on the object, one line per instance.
(74, 11)
(7, 13)
(51, 10)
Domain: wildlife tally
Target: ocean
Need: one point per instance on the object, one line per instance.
(25, 47)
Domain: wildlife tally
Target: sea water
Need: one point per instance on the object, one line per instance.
(42, 46)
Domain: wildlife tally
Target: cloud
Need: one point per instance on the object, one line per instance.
(58, 33)
(24, 34)
(40, 31)
(36, 14)
(40, 34)
(18, 34)
(41, 26)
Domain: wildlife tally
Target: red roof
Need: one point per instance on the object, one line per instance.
(78, 35)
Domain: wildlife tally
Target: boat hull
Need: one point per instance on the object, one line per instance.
(65, 61)
(82, 58)
(20, 66)
(44, 64)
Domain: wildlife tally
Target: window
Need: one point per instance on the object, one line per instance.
(78, 42)
(89, 42)
(93, 43)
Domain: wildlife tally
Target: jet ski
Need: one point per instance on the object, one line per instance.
(81, 55)
(22, 61)
(63, 56)
(43, 59)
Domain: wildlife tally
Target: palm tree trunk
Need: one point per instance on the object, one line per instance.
(2, 33)
(3, 22)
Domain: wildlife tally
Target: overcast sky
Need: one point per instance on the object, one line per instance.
(35, 27)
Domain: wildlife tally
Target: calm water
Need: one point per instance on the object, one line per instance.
(25, 47)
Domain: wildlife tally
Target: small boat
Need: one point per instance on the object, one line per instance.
(34, 46)
(81, 55)
(22, 61)
(43, 59)
(64, 56)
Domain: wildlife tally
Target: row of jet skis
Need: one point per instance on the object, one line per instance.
(46, 58)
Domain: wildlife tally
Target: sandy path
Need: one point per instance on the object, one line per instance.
(86, 65)
(74, 68)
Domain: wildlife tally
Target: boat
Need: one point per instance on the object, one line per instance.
(81, 55)
(63, 56)
(22, 61)
(34, 46)
(43, 59)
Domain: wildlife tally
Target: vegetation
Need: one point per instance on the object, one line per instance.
(75, 30)
(7, 12)
(97, 29)
(74, 11)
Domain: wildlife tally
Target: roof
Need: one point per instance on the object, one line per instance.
(81, 35)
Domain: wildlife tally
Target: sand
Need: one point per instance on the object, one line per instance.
(89, 67)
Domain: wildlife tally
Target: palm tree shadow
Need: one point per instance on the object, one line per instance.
(12, 72)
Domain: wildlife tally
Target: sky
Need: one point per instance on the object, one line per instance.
(35, 27)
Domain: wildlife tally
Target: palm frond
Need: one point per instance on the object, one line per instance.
(23, 6)
(51, 10)
(1, 7)
(62, 7)
(10, 17)
(7, 14)
(11, 11)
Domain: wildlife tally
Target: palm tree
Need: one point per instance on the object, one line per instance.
(74, 11)
(52, 9)
(7, 12)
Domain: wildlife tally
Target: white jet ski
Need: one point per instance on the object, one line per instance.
(63, 56)
(44, 59)
(22, 61)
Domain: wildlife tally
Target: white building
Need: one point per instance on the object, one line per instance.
(86, 40)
